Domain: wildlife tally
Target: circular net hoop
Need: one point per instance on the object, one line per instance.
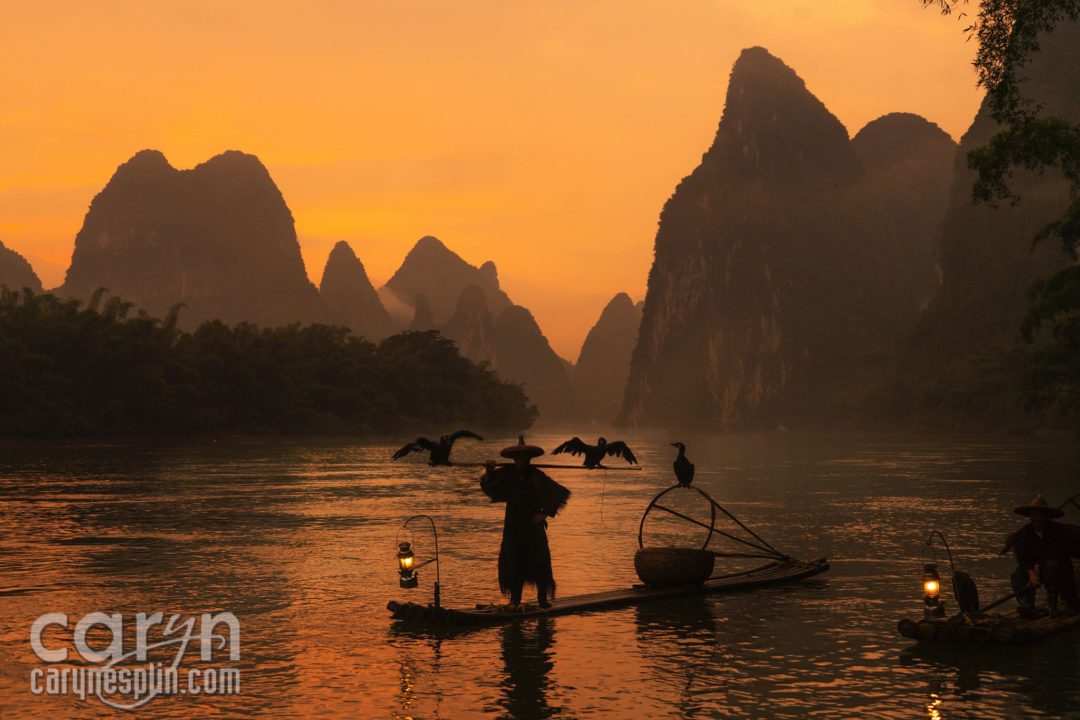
(751, 545)
(655, 505)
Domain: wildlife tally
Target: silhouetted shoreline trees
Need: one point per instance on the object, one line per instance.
(72, 370)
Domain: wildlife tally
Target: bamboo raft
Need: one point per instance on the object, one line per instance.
(990, 628)
(768, 574)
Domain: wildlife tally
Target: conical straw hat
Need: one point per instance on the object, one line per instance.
(1039, 504)
(529, 451)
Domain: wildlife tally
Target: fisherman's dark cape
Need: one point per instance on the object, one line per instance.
(524, 557)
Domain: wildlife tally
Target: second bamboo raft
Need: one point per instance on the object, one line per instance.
(989, 629)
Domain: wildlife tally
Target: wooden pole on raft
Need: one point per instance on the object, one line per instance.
(546, 466)
(994, 604)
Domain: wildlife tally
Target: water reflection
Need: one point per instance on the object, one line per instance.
(298, 541)
(1033, 673)
(690, 625)
(527, 655)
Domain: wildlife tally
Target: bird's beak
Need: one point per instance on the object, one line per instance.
(674, 444)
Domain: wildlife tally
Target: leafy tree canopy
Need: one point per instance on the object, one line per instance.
(1008, 34)
(70, 370)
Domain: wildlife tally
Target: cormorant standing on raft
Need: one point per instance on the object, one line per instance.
(531, 498)
(439, 451)
(594, 454)
(684, 469)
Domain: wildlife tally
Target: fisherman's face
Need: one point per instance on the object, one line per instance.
(1040, 520)
(521, 462)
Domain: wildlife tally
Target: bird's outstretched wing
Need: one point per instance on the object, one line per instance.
(574, 446)
(463, 433)
(418, 445)
(621, 449)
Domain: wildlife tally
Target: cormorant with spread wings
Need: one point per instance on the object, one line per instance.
(439, 452)
(594, 454)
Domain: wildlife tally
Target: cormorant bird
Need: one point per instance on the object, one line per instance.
(596, 453)
(684, 469)
(439, 451)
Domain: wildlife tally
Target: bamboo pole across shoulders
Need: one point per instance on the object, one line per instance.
(547, 466)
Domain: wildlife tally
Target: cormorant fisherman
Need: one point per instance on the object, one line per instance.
(1042, 558)
(531, 498)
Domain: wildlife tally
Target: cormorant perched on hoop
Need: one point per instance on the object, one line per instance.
(684, 469)
(594, 454)
(439, 451)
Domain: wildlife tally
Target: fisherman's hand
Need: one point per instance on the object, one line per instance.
(538, 518)
(1033, 577)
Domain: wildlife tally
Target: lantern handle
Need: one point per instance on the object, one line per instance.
(412, 536)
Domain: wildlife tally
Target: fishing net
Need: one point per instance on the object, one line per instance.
(682, 526)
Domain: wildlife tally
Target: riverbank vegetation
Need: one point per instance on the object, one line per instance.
(74, 370)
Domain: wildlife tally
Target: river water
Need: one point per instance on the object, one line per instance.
(297, 539)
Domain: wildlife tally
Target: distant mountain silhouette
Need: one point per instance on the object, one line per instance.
(514, 346)
(423, 318)
(472, 327)
(780, 281)
(966, 358)
(347, 292)
(908, 167)
(440, 275)
(523, 354)
(15, 271)
(218, 237)
(604, 363)
(466, 304)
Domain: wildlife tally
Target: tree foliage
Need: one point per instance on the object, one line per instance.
(1055, 372)
(70, 370)
(1008, 34)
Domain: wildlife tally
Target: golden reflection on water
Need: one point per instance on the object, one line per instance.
(933, 710)
(299, 540)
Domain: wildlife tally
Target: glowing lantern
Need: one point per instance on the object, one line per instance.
(406, 560)
(932, 591)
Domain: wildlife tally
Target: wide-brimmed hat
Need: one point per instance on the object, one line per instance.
(521, 449)
(1039, 504)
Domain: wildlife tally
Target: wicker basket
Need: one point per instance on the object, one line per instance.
(673, 566)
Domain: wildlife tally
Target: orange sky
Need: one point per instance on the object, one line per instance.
(542, 134)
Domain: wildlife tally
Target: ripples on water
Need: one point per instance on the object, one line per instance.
(298, 540)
